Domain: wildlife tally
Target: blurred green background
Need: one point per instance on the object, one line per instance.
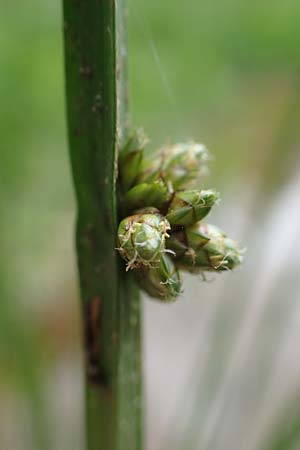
(225, 73)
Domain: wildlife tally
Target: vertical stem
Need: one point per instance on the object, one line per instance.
(129, 363)
(95, 60)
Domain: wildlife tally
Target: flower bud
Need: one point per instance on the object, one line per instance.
(141, 238)
(162, 281)
(188, 207)
(204, 247)
(181, 164)
(131, 158)
(144, 195)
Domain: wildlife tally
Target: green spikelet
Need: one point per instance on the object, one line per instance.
(188, 207)
(141, 238)
(131, 158)
(162, 281)
(204, 247)
(181, 165)
(143, 195)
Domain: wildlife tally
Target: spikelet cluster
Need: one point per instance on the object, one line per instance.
(163, 207)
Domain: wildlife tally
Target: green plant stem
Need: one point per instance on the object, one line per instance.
(95, 61)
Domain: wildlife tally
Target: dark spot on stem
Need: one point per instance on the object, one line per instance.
(95, 374)
(86, 71)
(78, 131)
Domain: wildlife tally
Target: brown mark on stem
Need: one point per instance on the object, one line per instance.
(95, 375)
(85, 71)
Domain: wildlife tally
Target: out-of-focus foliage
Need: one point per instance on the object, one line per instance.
(232, 75)
(222, 72)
